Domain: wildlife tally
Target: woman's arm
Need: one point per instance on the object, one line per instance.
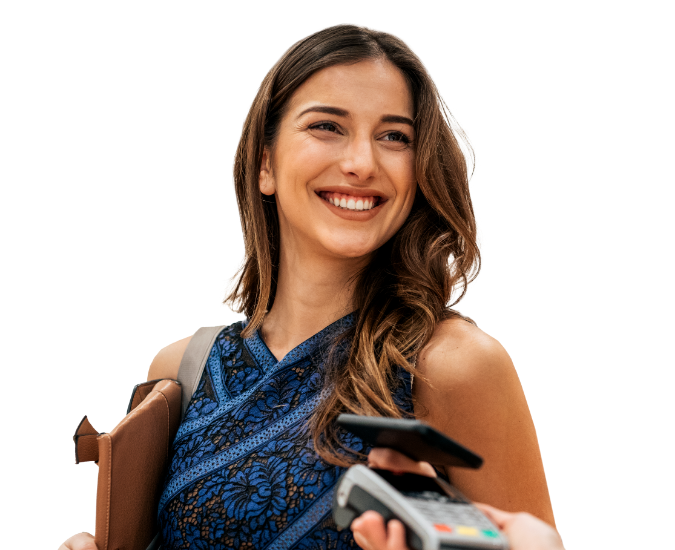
(472, 393)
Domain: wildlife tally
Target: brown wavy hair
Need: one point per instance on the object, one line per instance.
(404, 292)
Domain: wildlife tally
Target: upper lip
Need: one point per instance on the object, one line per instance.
(348, 190)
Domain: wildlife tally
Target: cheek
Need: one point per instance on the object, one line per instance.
(403, 177)
(300, 167)
(410, 184)
(405, 211)
(288, 210)
(304, 158)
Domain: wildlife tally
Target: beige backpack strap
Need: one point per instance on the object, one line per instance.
(194, 360)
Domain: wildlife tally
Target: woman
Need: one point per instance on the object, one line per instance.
(354, 203)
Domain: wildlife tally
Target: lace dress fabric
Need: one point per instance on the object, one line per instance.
(243, 471)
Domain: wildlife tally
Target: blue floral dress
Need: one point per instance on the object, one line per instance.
(243, 472)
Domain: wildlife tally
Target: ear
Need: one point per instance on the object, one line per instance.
(266, 180)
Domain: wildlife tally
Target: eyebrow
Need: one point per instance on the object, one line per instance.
(337, 111)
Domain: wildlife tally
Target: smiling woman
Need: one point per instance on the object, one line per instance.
(348, 113)
(359, 231)
(341, 153)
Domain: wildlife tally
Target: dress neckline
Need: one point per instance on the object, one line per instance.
(266, 359)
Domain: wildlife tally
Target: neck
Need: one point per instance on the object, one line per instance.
(312, 292)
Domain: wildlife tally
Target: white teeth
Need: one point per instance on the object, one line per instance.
(352, 204)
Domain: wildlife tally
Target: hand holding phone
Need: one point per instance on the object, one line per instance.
(382, 458)
(412, 438)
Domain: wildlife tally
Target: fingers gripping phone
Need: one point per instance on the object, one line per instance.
(436, 515)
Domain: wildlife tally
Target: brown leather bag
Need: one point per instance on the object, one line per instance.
(132, 461)
(133, 458)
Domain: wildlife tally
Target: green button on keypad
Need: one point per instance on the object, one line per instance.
(490, 533)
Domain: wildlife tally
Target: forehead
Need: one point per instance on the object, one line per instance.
(363, 87)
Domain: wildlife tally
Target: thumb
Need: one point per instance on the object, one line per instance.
(499, 517)
(427, 469)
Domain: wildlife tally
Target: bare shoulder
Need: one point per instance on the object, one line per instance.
(166, 362)
(460, 353)
(469, 389)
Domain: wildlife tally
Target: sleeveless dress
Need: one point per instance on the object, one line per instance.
(243, 471)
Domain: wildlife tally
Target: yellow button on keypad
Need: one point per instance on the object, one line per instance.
(467, 531)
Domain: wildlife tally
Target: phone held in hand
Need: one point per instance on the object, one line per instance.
(436, 515)
(412, 438)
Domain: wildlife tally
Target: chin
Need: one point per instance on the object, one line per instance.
(352, 249)
(350, 243)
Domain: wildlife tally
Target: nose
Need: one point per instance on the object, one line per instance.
(359, 159)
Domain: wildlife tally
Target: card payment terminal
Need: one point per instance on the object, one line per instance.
(436, 515)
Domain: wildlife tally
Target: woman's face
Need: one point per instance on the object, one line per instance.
(343, 165)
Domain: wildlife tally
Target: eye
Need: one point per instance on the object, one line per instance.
(397, 137)
(327, 126)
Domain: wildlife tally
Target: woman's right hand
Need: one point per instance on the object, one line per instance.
(524, 531)
(81, 541)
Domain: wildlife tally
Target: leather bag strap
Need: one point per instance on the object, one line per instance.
(86, 442)
(194, 360)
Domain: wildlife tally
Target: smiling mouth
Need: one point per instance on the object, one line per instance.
(350, 202)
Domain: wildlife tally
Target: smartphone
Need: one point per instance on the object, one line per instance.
(413, 438)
